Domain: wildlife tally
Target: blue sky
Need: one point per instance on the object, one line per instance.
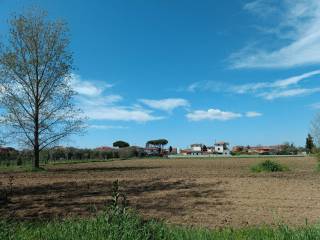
(191, 71)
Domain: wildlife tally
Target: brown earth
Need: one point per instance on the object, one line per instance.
(202, 192)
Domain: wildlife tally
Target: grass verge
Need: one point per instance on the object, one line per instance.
(128, 225)
(269, 166)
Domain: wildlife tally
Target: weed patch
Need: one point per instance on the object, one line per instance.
(269, 166)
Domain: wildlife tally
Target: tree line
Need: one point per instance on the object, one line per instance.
(56, 154)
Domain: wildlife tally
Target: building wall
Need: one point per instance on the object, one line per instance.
(218, 149)
(196, 148)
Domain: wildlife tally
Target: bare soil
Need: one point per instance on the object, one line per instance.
(196, 192)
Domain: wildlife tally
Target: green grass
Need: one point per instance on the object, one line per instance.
(80, 161)
(269, 166)
(15, 168)
(28, 167)
(129, 225)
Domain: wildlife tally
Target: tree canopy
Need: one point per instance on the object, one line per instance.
(121, 144)
(157, 142)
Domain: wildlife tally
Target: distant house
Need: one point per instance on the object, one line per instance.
(221, 148)
(260, 150)
(196, 149)
(190, 152)
(152, 151)
(237, 149)
(104, 148)
(210, 149)
(185, 151)
(200, 149)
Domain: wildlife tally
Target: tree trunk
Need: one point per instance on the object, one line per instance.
(36, 157)
(36, 146)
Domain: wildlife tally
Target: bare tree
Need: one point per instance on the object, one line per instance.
(35, 68)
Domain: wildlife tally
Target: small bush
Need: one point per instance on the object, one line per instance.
(268, 166)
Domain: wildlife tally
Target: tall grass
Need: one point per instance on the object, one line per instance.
(117, 225)
(269, 166)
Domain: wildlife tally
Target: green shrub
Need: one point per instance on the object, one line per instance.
(268, 166)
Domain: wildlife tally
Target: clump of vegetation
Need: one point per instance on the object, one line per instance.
(269, 166)
(6, 191)
(117, 195)
(3, 195)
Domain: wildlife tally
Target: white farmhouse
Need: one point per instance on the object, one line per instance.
(196, 149)
(221, 148)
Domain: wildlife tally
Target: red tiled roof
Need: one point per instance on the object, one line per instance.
(104, 148)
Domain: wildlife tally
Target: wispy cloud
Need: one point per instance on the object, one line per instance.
(107, 127)
(315, 105)
(206, 85)
(299, 22)
(287, 87)
(295, 79)
(167, 104)
(100, 100)
(253, 114)
(260, 7)
(288, 93)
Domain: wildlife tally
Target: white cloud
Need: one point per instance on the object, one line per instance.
(288, 93)
(97, 105)
(212, 114)
(87, 88)
(253, 114)
(120, 113)
(299, 22)
(167, 104)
